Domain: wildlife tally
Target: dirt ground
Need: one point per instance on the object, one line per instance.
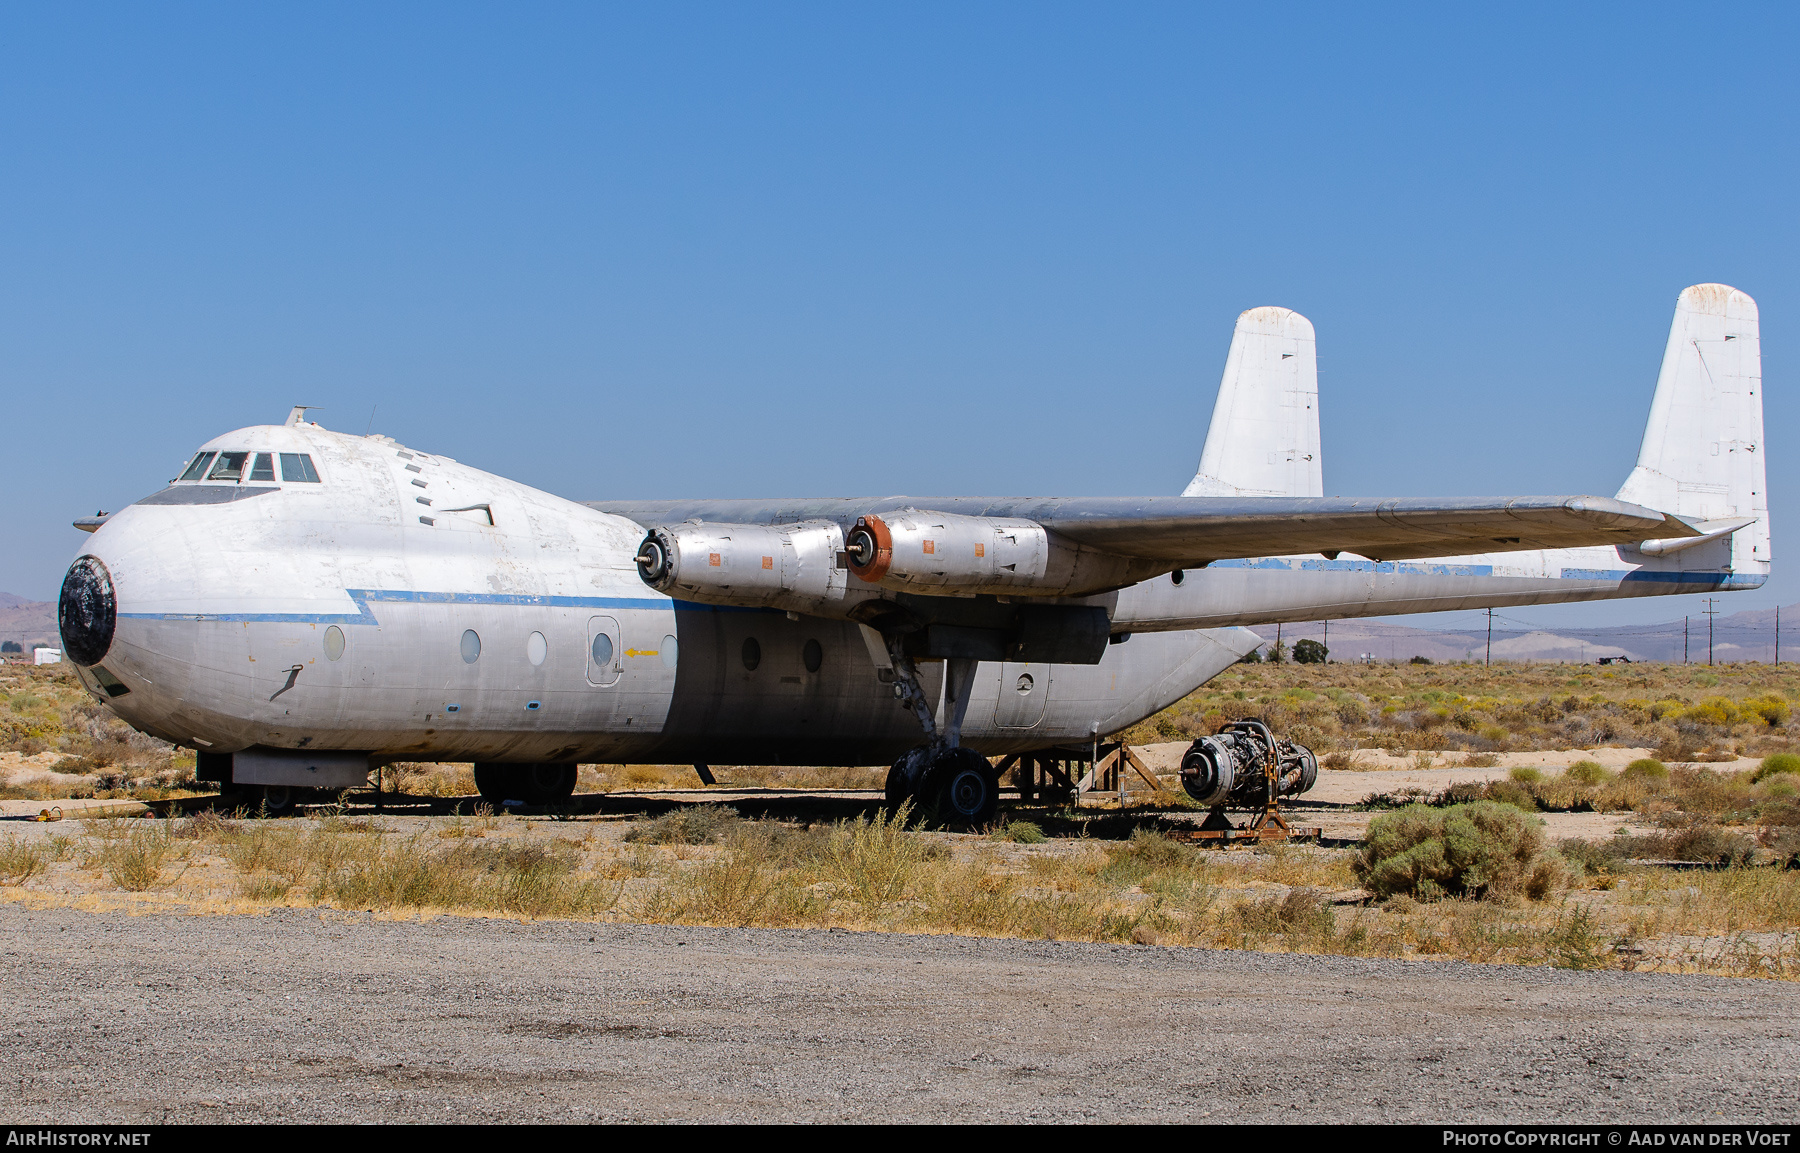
(330, 1016)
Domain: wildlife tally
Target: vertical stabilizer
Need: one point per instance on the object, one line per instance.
(1702, 456)
(1264, 437)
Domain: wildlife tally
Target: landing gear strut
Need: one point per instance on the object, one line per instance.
(940, 776)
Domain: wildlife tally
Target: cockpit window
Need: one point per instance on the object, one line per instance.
(297, 466)
(264, 468)
(229, 467)
(197, 467)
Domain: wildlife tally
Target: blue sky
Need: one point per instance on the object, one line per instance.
(746, 250)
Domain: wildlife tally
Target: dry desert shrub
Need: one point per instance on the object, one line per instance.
(1787, 763)
(21, 859)
(1021, 833)
(1482, 849)
(687, 825)
(134, 861)
(876, 860)
(525, 880)
(424, 779)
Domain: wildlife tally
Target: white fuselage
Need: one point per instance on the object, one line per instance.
(409, 607)
(363, 587)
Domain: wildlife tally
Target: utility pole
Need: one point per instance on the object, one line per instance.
(1684, 639)
(1777, 634)
(1711, 612)
(1489, 660)
(1327, 641)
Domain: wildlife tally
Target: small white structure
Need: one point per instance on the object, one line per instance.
(46, 656)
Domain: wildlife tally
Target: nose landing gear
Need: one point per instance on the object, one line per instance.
(941, 777)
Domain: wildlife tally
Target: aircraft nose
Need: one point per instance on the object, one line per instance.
(87, 611)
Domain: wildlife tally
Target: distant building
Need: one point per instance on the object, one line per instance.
(46, 656)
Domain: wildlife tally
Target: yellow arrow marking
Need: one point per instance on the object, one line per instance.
(643, 652)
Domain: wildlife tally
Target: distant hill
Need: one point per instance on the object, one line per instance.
(27, 622)
(1743, 636)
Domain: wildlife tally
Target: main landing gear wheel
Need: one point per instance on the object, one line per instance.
(956, 785)
(906, 778)
(278, 800)
(968, 791)
(530, 784)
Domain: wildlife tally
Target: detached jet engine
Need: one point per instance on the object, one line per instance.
(1245, 765)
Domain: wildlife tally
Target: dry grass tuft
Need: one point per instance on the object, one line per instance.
(687, 825)
(20, 860)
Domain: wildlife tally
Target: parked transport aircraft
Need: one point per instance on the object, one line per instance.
(299, 605)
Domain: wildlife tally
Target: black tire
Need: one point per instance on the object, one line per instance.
(278, 800)
(545, 784)
(966, 788)
(497, 784)
(537, 785)
(906, 778)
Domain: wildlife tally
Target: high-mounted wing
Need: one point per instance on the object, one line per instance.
(1192, 531)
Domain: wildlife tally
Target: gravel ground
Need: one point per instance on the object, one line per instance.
(303, 1016)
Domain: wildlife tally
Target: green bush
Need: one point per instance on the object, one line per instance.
(1478, 850)
(1647, 769)
(1779, 763)
(1515, 793)
(1525, 775)
(1022, 833)
(1587, 773)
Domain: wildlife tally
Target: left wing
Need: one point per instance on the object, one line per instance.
(1193, 531)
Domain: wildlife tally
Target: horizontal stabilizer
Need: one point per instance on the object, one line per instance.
(1710, 530)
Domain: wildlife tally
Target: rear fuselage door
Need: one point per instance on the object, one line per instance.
(605, 659)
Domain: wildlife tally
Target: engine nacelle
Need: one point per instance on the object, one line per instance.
(937, 553)
(1231, 767)
(791, 566)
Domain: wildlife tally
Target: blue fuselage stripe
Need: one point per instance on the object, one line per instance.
(365, 616)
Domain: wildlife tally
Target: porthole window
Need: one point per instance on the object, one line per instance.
(1025, 683)
(603, 651)
(536, 648)
(814, 656)
(334, 643)
(471, 647)
(1177, 577)
(752, 654)
(668, 652)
